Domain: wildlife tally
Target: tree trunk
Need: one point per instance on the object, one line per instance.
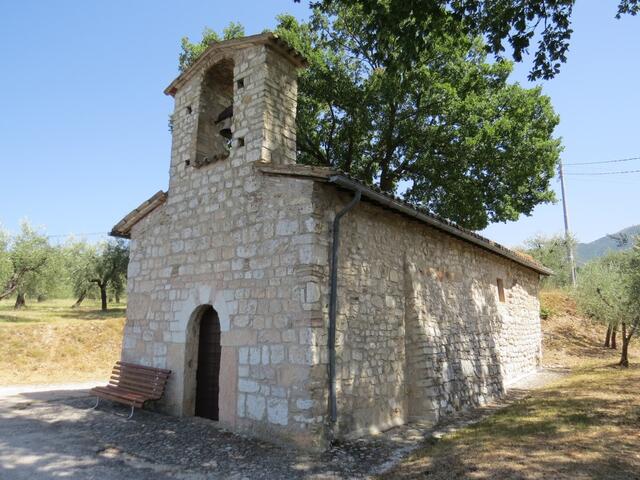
(41, 298)
(607, 338)
(80, 300)
(117, 297)
(20, 301)
(624, 354)
(614, 333)
(103, 296)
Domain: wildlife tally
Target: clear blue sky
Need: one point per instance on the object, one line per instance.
(83, 124)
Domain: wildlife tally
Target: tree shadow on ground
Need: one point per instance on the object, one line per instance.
(64, 438)
(114, 312)
(580, 428)
(19, 319)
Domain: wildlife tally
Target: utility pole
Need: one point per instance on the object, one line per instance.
(567, 234)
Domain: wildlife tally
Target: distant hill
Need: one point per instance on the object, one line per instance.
(599, 247)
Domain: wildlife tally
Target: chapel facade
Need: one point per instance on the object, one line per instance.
(294, 303)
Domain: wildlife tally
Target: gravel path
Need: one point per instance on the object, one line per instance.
(50, 433)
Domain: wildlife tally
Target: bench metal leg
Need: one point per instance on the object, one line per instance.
(96, 405)
(131, 414)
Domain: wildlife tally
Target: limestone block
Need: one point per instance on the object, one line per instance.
(278, 411)
(255, 406)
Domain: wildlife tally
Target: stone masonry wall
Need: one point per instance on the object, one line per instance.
(245, 244)
(421, 331)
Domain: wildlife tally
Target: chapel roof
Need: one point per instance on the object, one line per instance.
(377, 196)
(123, 228)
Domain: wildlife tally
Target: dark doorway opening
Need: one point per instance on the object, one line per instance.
(208, 372)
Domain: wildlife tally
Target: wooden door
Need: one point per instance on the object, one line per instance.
(208, 373)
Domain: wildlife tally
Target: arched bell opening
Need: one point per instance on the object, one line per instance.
(215, 114)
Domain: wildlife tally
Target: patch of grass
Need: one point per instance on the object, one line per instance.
(50, 342)
(58, 310)
(584, 426)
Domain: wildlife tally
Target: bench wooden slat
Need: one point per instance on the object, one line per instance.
(122, 392)
(141, 371)
(143, 367)
(117, 398)
(140, 378)
(136, 381)
(141, 389)
(121, 397)
(133, 384)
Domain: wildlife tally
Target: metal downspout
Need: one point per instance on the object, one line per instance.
(333, 304)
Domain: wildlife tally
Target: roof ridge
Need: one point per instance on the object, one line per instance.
(333, 175)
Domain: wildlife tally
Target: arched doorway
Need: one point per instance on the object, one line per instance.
(208, 371)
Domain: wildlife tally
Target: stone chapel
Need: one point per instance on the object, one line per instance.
(294, 303)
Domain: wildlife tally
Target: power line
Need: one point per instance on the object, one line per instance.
(77, 234)
(605, 161)
(603, 173)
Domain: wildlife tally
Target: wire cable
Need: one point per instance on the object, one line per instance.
(602, 173)
(605, 161)
(77, 234)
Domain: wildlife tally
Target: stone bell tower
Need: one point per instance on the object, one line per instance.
(216, 265)
(237, 104)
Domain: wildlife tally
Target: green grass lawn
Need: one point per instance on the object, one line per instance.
(50, 342)
(58, 310)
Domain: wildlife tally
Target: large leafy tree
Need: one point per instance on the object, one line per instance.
(448, 132)
(408, 27)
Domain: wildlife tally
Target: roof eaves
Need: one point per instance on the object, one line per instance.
(437, 222)
(123, 228)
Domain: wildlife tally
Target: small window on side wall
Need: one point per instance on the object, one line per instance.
(500, 290)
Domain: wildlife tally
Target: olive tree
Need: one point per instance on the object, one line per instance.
(26, 264)
(606, 292)
(552, 252)
(107, 267)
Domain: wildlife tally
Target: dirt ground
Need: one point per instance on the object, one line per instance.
(50, 432)
(577, 420)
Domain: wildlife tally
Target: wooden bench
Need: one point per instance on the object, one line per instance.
(132, 385)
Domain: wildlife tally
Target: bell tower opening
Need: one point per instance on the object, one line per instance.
(215, 114)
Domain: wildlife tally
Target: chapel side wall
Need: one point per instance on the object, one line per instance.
(421, 332)
(245, 243)
(370, 349)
